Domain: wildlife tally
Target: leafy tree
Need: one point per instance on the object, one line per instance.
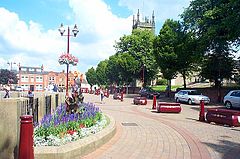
(214, 24)
(164, 50)
(187, 54)
(214, 69)
(101, 73)
(139, 46)
(237, 74)
(120, 68)
(113, 70)
(91, 76)
(7, 77)
(128, 66)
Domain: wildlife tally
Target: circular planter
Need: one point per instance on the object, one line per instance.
(80, 147)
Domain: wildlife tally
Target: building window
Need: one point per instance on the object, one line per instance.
(51, 78)
(39, 87)
(32, 79)
(25, 87)
(39, 79)
(31, 69)
(24, 78)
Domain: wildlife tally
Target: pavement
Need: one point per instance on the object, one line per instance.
(142, 133)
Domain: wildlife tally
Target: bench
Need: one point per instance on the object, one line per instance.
(140, 100)
(165, 107)
(223, 116)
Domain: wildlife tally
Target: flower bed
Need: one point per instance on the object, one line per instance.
(60, 127)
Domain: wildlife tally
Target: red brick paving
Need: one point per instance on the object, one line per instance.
(164, 136)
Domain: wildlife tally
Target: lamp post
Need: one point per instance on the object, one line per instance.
(143, 75)
(10, 64)
(75, 31)
(219, 79)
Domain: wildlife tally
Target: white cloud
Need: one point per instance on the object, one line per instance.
(3, 63)
(163, 8)
(32, 46)
(26, 42)
(96, 20)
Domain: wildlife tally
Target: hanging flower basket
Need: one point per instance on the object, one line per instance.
(68, 59)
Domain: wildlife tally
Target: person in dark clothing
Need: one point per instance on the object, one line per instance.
(7, 94)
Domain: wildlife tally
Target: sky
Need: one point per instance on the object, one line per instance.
(30, 36)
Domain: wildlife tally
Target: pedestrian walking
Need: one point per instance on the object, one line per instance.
(30, 107)
(101, 95)
(7, 89)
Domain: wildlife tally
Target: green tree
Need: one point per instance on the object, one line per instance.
(120, 69)
(113, 70)
(237, 74)
(91, 76)
(128, 66)
(139, 45)
(214, 69)
(7, 77)
(101, 73)
(214, 24)
(188, 56)
(164, 50)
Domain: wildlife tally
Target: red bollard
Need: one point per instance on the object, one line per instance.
(121, 96)
(201, 113)
(26, 138)
(154, 102)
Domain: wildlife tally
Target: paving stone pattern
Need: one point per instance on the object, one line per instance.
(151, 135)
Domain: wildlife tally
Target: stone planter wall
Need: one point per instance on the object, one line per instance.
(77, 148)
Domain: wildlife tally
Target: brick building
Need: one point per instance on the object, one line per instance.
(36, 79)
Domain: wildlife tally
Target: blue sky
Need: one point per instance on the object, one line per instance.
(29, 28)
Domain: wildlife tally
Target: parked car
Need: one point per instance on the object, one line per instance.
(148, 93)
(19, 88)
(232, 99)
(191, 97)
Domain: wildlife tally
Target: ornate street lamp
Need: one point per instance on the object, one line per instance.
(67, 58)
(10, 64)
(143, 75)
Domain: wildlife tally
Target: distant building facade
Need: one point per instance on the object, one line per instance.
(145, 24)
(36, 79)
(31, 78)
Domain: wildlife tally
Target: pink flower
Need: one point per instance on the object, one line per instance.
(68, 59)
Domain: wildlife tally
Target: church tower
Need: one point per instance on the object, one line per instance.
(145, 24)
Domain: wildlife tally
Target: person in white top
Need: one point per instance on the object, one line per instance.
(7, 89)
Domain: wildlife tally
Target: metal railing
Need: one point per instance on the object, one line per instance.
(57, 99)
(29, 107)
(48, 104)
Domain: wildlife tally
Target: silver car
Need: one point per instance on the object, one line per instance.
(191, 97)
(232, 99)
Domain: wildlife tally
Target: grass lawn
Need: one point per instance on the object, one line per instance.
(163, 88)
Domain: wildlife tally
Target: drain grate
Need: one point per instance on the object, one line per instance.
(129, 124)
